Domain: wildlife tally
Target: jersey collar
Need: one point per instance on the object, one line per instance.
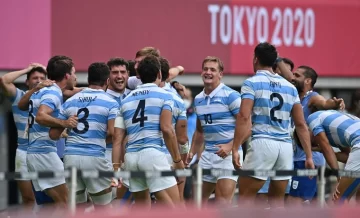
(266, 72)
(147, 85)
(215, 91)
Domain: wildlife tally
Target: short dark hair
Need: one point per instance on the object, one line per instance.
(286, 61)
(165, 67)
(118, 62)
(266, 54)
(58, 69)
(53, 59)
(132, 71)
(149, 68)
(35, 69)
(309, 73)
(98, 73)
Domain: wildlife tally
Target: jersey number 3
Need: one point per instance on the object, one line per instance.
(82, 120)
(140, 110)
(278, 107)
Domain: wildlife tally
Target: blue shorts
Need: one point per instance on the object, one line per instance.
(350, 190)
(265, 188)
(303, 187)
(41, 197)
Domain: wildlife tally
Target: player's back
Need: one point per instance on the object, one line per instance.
(274, 98)
(94, 108)
(341, 129)
(141, 111)
(39, 140)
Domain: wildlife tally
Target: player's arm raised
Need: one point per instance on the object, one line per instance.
(7, 81)
(174, 72)
(23, 104)
(321, 103)
(303, 133)
(285, 72)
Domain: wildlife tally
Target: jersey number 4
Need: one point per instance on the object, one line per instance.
(278, 107)
(82, 120)
(140, 110)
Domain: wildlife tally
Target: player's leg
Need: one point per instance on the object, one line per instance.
(56, 187)
(279, 184)
(81, 193)
(164, 188)
(209, 181)
(347, 187)
(261, 155)
(137, 186)
(24, 186)
(262, 195)
(99, 189)
(180, 180)
(226, 183)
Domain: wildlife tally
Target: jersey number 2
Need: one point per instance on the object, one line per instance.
(82, 120)
(140, 110)
(278, 107)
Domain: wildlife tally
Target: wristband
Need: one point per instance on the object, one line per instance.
(184, 149)
(177, 161)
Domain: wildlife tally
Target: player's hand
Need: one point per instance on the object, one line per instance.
(179, 166)
(189, 158)
(115, 182)
(336, 194)
(35, 65)
(339, 103)
(224, 150)
(64, 134)
(44, 84)
(181, 70)
(71, 122)
(309, 163)
(236, 159)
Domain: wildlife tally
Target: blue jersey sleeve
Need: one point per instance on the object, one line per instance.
(314, 123)
(247, 90)
(51, 98)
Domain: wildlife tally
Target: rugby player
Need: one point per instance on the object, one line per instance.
(86, 143)
(336, 129)
(146, 116)
(216, 107)
(303, 189)
(43, 109)
(35, 74)
(268, 102)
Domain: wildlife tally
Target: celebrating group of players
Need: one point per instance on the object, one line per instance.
(140, 124)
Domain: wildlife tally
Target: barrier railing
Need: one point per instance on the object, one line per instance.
(73, 174)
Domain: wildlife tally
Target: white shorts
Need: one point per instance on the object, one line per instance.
(353, 162)
(20, 162)
(108, 156)
(45, 162)
(149, 159)
(92, 185)
(210, 160)
(268, 154)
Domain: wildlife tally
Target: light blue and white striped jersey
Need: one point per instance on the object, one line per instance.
(341, 129)
(141, 111)
(274, 98)
(94, 108)
(21, 120)
(117, 97)
(217, 114)
(39, 140)
(179, 110)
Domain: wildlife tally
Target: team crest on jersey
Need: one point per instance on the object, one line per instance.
(295, 184)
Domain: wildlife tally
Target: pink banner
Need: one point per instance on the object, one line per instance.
(25, 32)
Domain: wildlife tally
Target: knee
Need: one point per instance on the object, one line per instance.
(28, 200)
